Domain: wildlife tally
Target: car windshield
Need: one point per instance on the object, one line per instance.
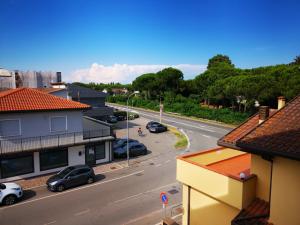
(65, 171)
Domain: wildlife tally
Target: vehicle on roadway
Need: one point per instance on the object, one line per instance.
(157, 128)
(151, 123)
(111, 119)
(10, 193)
(135, 149)
(70, 177)
(121, 142)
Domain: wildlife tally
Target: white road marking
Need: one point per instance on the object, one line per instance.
(168, 161)
(82, 212)
(52, 222)
(157, 165)
(173, 121)
(188, 140)
(143, 193)
(206, 136)
(72, 190)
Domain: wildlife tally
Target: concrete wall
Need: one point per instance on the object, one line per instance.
(285, 197)
(262, 169)
(204, 210)
(38, 123)
(230, 191)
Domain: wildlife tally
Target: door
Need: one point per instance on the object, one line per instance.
(90, 156)
(73, 179)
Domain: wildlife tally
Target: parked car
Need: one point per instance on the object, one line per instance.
(120, 142)
(111, 119)
(151, 123)
(157, 128)
(135, 149)
(70, 177)
(10, 193)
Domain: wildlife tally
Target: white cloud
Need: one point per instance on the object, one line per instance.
(125, 73)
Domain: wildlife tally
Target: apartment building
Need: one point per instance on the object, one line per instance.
(252, 178)
(41, 133)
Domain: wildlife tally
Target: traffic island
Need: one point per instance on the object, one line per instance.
(182, 140)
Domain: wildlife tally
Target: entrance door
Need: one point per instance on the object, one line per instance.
(90, 157)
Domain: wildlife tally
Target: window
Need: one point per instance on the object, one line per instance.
(10, 127)
(58, 124)
(51, 159)
(100, 151)
(16, 165)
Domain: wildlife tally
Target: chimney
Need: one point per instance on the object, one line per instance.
(281, 102)
(263, 113)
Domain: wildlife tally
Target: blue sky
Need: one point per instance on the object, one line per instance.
(116, 40)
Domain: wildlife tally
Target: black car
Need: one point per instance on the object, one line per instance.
(111, 119)
(135, 149)
(121, 142)
(151, 123)
(70, 177)
(157, 128)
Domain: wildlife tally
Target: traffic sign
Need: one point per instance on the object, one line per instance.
(164, 198)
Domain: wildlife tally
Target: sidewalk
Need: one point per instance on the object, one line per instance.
(39, 181)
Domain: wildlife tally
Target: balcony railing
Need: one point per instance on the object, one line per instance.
(51, 141)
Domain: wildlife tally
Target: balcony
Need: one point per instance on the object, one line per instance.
(53, 141)
(216, 173)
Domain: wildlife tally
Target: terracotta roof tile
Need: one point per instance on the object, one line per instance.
(257, 213)
(239, 132)
(27, 99)
(278, 135)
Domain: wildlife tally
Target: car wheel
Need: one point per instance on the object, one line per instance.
(10, 200)
(90, 180)
(60, 188)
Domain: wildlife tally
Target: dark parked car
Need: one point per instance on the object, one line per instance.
(70, 177)
(122, 142)
(135, 149)
(111, 119)
(151, 123)
(157, 128)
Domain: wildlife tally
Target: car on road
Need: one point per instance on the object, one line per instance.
(151, 123)
(70, 177)
(111, 119)
(10, 193)
(157, 128)
(121, 142)
(135, 149)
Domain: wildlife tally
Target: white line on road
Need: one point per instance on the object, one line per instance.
(157, 165)
(146, 192)
(82, 212)
(75, 189)
(52, 222)
(173, 121)
(206, 136)
(168, 161)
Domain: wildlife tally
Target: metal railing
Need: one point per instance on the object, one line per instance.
(12, 145)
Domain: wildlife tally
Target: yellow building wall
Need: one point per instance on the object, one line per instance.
(285, 197)
(185, 206)
(262, 168)
(208, 211)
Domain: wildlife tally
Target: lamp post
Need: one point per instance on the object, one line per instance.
(135, 92)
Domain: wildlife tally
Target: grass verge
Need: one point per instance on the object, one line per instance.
(182, 141)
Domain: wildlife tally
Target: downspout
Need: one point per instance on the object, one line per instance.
(189, 206)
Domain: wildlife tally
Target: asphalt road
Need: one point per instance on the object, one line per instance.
(126, 196)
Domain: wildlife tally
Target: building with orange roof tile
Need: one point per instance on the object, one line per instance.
(252, 179)
(41, 133)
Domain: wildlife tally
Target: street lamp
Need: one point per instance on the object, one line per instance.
(135, 92)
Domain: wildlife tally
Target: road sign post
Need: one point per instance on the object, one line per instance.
(164, 199)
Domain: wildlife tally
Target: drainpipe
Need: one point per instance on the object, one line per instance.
(189, 206)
